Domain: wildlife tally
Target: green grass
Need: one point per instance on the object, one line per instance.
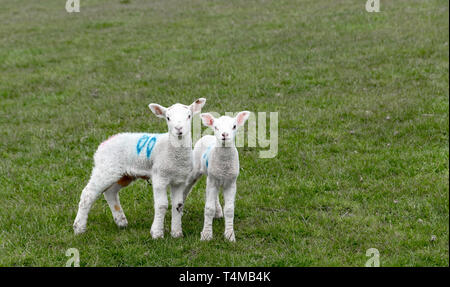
(363, 109)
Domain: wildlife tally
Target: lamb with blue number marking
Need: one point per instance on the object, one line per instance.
(165, 159)
(217, 157)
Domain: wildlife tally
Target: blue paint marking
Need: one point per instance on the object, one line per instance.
(141, 143)
(151, 144)
(206, 155)
(149, 140)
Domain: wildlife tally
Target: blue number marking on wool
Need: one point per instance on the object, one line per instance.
(149, 140)
(141, 143)
(206, 155)
(150, 145)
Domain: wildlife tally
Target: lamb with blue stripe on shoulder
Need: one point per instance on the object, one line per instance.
(217, 158)
(165, 159)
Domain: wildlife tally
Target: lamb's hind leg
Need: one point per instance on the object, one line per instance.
(193, 178)
(98, 183)
(112, 197)
(219, 212)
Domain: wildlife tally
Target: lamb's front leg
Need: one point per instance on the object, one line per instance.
(229, 194)
(177, 209)
(210, 209)
(161, 205)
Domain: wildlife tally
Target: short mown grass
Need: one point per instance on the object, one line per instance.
(363, 158)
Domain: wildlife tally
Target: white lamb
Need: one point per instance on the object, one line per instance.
(165, 159)
(217, 157)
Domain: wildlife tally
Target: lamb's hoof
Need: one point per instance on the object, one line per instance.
(206, 235)
(157, 234)
(229, 235)
(122, 222)
(176, 234)
(78, 229)
(122, 225)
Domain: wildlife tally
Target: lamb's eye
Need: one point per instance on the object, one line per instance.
(216, 128)
(168, 118)
(234, 127)
(189, 116)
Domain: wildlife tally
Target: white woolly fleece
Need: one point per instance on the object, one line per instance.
(165, 159)
(217, 157)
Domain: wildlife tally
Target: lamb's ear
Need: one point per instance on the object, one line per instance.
(207, 119)
(242, 117)
(158, 110)
(196, 106)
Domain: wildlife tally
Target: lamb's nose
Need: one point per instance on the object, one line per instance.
(178, 128)
(224, 135)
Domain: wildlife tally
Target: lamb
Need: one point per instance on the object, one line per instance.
(217, 157)
(165, 159)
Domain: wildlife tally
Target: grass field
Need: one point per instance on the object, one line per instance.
(362, 98)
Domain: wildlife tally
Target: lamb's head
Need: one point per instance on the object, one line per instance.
(225, 127)
(178, 116)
